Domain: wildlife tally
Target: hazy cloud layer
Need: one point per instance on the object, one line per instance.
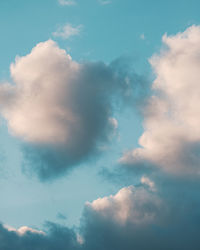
(171, 138)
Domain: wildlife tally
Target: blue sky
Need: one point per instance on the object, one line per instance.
(103, 120)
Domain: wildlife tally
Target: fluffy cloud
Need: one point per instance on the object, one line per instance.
(68, 31)
(162, 213)
(137, 217)
(61, 109)
(159, 213)
(171, 138)
(129, 205)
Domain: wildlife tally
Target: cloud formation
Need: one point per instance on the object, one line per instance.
(129, 205)
(61, 109)
(68, 31)
(56, 238)
(162, 213)
(171, 138)
(137, 217)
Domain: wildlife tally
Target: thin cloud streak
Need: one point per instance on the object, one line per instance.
(67, 2)
(67, 31)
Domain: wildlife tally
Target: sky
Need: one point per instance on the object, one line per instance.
(99, 124)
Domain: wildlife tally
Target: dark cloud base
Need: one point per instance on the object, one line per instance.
(57, 238)
(175, 226)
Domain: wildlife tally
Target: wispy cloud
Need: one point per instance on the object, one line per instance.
(142, 36)
(104, 2)
(66, 2)
(68, 31)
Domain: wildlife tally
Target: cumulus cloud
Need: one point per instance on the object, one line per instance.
(137, 217)
(67, 2)
(67, 31)
(162, 211)
(129, 205)
(61, 109)
(171, 138)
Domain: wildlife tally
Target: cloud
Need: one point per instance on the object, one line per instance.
(162, 210)
(23, 230)
(60, 109)
(146, 181)
(171, 138)
(56, 237)
(129, 205)
(104, 2)
(67, 2)
(68, 31)
(138, 218)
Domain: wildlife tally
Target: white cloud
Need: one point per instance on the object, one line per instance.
(67, 2)
(146, 181)
(171, 139)
(128, 205)
(23, 230)
(60, 108)
(68, 31)
(37, 113)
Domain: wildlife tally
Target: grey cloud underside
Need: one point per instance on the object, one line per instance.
(58, 238)
(169, 219)
(174, 220)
